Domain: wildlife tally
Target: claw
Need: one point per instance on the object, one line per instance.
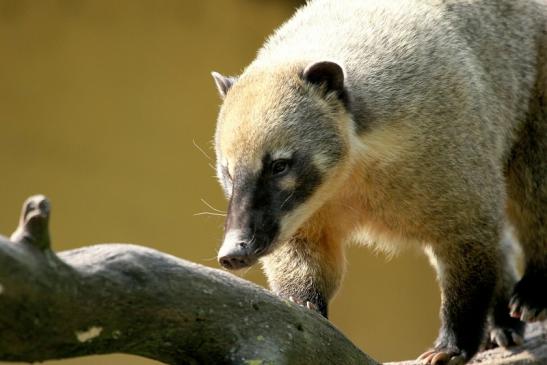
(517, 339)
(528, 302)
(527, 314)
(426, 356)
(514, 309)
(499, 338)
(440, 358)
(456, 360)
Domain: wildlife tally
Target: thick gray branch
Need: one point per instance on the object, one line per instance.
(130, 299)
(116, 298)
(532, 352)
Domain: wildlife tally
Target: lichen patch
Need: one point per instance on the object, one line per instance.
(89, 334)
(254, 362)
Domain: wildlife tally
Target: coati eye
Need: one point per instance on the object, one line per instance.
(279, 167)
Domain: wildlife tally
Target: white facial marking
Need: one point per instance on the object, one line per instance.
(281, 154)
(89, 334)
(294, 219)
(321, 161)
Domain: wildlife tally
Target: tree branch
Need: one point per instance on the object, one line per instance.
(116, 298)
(532, 352)
(129, 299)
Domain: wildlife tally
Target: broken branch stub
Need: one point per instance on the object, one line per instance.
(34, 223)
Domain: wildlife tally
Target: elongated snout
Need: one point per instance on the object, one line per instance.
(235, 252)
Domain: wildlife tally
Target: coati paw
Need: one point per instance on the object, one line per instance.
(316, 305)
(443, 356)
(504, 330)
(504, 337)
(306, 304)
(529, 300)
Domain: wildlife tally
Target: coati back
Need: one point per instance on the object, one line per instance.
(395, 123)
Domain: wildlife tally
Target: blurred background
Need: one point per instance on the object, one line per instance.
(104, 107)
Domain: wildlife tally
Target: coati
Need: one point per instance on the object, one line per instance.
(396, 123)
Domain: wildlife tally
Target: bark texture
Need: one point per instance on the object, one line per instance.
(116, 298)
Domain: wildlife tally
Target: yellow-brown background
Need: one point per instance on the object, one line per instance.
(100, 102)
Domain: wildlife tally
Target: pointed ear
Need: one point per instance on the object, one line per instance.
(327, 73)
(223, 83)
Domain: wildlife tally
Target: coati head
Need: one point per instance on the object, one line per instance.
(282, 142)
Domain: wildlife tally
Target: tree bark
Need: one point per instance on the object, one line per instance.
(119, 298)
(116, 298)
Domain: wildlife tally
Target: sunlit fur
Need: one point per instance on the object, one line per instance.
(445, 128)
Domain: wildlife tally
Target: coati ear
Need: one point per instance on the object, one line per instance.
(223, 83)
(326, 73)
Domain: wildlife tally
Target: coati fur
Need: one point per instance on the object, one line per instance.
(395, 123)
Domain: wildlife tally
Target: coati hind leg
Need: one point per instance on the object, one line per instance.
(306, 270)
(467, 272)
(504, 330)
(527, 207)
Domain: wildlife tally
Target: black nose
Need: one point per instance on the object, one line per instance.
(234, 262)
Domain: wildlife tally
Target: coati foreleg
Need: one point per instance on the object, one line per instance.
(306, 269)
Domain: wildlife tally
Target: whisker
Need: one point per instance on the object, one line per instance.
(246, 271)
(201, 149)
(252, 241)
(211, 213)
(211, 166)
(286, 200)
(210, 206)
